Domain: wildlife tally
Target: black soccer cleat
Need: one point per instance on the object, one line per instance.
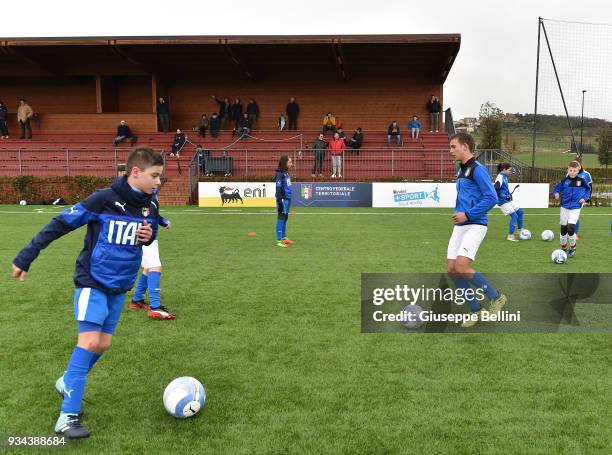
(69, 425)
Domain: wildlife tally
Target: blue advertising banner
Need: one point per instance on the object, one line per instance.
(332, 194)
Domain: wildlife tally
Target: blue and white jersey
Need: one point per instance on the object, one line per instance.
(154, 200)
(571, 191)
(584, 174)
(111, 254)
(503, 189)
(283, 185)
(475, 193)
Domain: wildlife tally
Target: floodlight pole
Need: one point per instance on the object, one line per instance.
(535, 110)
(582, 122)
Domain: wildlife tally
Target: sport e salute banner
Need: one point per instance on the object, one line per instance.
(526, 195)
(236, 194)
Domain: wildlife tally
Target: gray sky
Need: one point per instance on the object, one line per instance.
(496, 61)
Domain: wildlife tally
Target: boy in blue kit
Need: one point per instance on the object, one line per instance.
(475, 197)
(283, 200)
(119, 220)
(573, 191)
(414, 126)
(150, 278)
(505, 202)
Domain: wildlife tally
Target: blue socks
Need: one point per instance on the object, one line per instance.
(284, 231)
(75, 377)
(479, 281)
(519, 214)
(279, 229)
(513, 220)
(141, 288)
(154, 289)
(462, 283)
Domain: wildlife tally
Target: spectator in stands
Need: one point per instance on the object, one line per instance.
(243, 128)
(281, 122)
(252, 110)
(24, 114)
(341, 134)
(394, 132)
(293, 110)
(319, 146)
(215, 125)
(414, 126)
(355, 141)
(163, 114)
(3, 123)
(203, 125)
(236, 112)
(433, 107)
(224, 110)
(336, 148)
(178, 143)
(123, 133)
(329, 123)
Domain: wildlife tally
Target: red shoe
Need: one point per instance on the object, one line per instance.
(286, 241)
(161, 312)
(138, 305)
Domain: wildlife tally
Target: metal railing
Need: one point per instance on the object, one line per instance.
(521, 171)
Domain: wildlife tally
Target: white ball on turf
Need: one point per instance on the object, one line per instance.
(525, 234)
(23, 202)
(559, 256)
(548, 235)
(184, 397)
(413, 317)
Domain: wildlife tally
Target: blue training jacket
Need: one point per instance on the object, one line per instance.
(111, 255)
(503, 192)
(283, 185)
(475, 193)
(571, 191)
(586, 175)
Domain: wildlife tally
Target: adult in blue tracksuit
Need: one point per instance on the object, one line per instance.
(586, 175)
(120, 220)
(505, 202)
(283, 200)
(475, 197)
(573, 192)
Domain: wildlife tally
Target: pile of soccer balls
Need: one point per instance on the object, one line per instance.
(558, 256)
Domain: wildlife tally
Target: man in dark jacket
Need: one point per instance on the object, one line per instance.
(178, 143)
(293, 110)
(215, 125)
(224, 109)
(434, 107)
(252, 110)
(123, 133)
(236, 111)
(163, 114)
(243, 127)
(3, 124)
(319, 146)
(356, 141)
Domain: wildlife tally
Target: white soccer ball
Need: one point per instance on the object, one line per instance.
(23, 202)
(559, 256)
(548, 235)
(414, 321)
(184, 397)
(525, 234)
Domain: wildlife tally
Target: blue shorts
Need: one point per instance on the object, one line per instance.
(283, 206)
(95, 307)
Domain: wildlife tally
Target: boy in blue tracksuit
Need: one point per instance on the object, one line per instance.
(283, 200)
(414, 126)
(573, 191)
(475, 197)
(505, 202)
(120, 220)
(586, 175)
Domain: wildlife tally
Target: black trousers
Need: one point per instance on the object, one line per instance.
(164, 122)
(3, 128)
(26, 129)
(292, 123)
(317, 167)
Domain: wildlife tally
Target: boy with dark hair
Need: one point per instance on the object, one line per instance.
(283, 200)
(119, 220)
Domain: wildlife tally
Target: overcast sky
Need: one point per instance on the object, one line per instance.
(496, 61)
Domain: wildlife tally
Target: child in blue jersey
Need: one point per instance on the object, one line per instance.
(120, 220)
(586, 175)
(283, 200)
(573, 192)
(475, 197)
(150, 278)
(505, 202)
